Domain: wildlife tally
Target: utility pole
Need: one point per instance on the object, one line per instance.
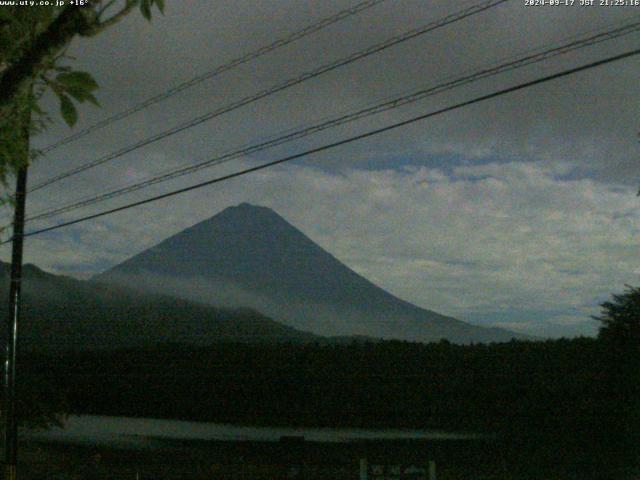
(10, 422)
(13, 317)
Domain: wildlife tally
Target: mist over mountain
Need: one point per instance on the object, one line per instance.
(250, 256)
(62, 313)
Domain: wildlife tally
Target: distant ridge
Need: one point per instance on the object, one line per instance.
(62, 313)
(251, 256)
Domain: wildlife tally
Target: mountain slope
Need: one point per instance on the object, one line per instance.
(251, 256)
(63, 313)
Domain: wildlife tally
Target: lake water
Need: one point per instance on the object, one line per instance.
(148, 432)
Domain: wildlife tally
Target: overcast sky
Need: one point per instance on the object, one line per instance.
(519, 211)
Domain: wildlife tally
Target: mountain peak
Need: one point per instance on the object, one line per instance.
(248, 207)
(245, 212)
(248, 255)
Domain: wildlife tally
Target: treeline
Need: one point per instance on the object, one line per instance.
(577, 396)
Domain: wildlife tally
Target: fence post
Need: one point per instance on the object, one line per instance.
(363, 469)
(432, 470)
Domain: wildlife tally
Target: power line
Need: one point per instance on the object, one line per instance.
(409, 35)
(308, 30)
(372, 110)
(345, 141)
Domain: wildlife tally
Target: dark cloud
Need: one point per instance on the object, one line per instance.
(590, 118)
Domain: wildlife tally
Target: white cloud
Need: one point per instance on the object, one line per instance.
(480, 239)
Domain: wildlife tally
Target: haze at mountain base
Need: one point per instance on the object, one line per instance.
(61, 313)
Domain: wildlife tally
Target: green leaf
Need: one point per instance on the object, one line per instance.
(81, 80)
(93, 99)
(145, 8)
(160, 4)
(78, 93)
(68, 110)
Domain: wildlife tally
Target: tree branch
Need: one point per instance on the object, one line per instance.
(98, 27)
(72, 21)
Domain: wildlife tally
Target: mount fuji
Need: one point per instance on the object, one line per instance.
(250, 256)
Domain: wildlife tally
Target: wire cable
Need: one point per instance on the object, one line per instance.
(409, 35)
(343, 119)
(236, 62)
(338, 143)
